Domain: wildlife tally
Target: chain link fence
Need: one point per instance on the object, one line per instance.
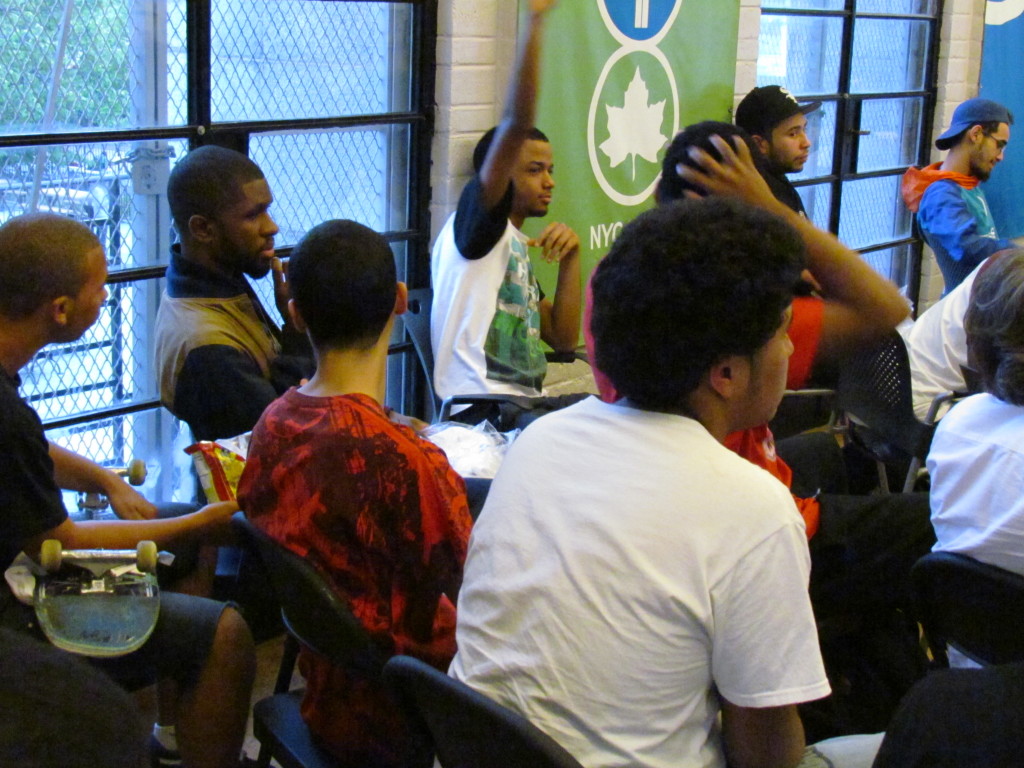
(122, 66)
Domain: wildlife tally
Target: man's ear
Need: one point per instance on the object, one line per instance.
(401, 299)
(59, 310)
(296, 316)
(729, 376)
(975, 133)
(201, 228)
(762, 143)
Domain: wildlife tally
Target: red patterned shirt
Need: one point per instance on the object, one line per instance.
(381, 513)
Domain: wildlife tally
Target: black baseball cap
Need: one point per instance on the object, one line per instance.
(768, 105)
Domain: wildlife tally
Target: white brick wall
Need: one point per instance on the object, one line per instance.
(746, 49)
(475, 51)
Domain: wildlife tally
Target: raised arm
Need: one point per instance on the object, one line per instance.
(860, 305)
(520, 110)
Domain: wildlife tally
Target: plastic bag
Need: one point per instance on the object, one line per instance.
(473, 451)
(219, 465)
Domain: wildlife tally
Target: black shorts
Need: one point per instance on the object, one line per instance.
(178, 648)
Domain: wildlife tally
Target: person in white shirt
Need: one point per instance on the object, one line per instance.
(634, 588)
(937, 345)
(489, 315)
(976, 460)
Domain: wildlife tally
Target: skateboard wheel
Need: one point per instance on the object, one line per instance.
(50, 555)
(146, 556)
(137, 472)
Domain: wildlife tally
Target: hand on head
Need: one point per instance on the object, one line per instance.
(735, 175)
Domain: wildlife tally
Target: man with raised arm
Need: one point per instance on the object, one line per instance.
(220, 357)
(946, 196)
(53, 288)
(489, 315)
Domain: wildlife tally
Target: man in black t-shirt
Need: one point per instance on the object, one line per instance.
(53, 290)
(778, 124)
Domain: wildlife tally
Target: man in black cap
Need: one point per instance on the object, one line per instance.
(778, 124)
(952, 213)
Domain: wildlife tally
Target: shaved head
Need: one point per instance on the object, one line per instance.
(207, 180)
(42, 257)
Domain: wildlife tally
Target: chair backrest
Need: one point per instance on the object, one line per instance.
(310, 609)
(875, 388)
(468, 729)
(417, 324)
(974, 607)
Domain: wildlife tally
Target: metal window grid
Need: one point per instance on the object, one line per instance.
(871, 63)
(103, 97)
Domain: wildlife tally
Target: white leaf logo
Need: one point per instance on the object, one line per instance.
(634, 129)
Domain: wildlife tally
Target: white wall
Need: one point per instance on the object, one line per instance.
(476, 47)
(475, 52)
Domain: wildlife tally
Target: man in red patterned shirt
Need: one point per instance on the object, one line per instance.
(377, 509)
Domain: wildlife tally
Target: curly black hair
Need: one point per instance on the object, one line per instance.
(685, 285)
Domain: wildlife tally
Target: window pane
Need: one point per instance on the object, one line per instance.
(118, 189)
(888, 55)
(872, 212)
(111, 365)
(93, 65)
(339, 174)
(892, 263)
(817, 202)
(281, 59)
(800, 52)
(926, 7)
(821, 131)
(895, 129)
(155, 437)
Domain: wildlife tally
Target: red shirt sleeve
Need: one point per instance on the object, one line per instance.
(604, 385)
(805, 333)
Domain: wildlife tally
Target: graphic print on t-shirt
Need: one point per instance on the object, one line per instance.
(513, 348)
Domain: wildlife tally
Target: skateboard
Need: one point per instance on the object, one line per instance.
(98, 602)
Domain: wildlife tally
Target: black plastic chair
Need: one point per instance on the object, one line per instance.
(468, 729)
(874, 391)
(318, 619)
(971, 606)
(416, 321)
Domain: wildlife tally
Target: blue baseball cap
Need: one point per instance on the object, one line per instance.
(973, 112)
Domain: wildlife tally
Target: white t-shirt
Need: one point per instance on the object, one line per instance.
(625, 568)
(937, 347)
(485, 317)
(976, 464)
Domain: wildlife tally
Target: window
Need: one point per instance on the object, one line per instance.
(872, 64)
(101, 98)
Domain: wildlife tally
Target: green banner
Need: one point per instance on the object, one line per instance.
(619, 79)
